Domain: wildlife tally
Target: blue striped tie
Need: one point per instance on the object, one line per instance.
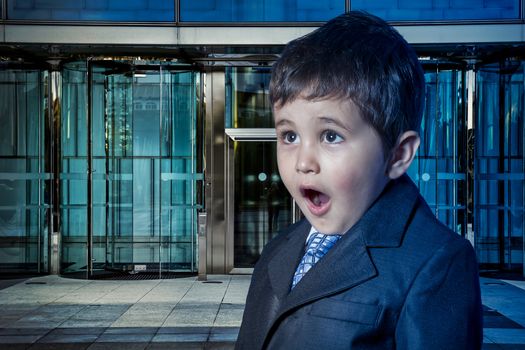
(317, 246)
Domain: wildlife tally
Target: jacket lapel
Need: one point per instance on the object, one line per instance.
(282, 265)
(346, 265)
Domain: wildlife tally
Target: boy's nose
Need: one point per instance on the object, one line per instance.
(307, 162)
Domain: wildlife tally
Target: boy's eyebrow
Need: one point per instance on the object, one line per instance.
(330, 120)
(283, 122)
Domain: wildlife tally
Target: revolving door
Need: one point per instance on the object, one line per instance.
(130, 184)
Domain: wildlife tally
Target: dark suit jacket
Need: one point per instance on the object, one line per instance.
(398, 279)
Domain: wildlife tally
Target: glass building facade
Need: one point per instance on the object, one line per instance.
(93, 10)
(111, 150)
(206, 11)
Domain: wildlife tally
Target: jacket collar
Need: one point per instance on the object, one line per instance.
(384, 223)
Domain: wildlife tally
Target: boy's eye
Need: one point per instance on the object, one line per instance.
(330, 136)
(290, 137)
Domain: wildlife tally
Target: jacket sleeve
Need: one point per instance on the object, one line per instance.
(443, 309)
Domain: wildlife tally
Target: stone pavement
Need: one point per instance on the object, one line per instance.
(52, 312)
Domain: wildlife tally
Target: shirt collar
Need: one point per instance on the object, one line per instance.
(312, 231)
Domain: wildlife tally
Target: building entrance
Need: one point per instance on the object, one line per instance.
(259, 204)
(130, 179)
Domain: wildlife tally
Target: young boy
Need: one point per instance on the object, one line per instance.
(348, 100)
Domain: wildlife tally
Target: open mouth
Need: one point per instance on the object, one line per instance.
(318, 202)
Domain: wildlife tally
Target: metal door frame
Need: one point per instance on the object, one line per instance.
(242, 135)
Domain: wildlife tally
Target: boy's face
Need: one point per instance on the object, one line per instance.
(330, 160)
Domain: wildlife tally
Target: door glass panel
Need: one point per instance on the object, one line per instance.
(24, 181)
(500, 166)
(262, 203)
(73, 169)
(439, 168)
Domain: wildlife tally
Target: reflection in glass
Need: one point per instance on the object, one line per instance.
(262, 203)
(108, 10)
(24, 191)
(431, 10)
(260, 11)
(247, 104)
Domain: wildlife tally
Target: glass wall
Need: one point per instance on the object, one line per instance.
(98, 10)
(439, 168)
(24, 178)
(437, 10)
(257, 11)
(499, 165)
(143, 168)
(260, 11)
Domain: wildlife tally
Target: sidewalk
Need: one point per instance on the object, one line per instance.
(59, 313)
(51, 312)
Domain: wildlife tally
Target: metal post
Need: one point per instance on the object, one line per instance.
(89, 262)
(202, 246)
(54, 103)
(470, 205)
(4, 10)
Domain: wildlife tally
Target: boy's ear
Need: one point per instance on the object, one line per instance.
(403, 153)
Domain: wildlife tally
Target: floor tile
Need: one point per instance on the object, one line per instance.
(68, 338)
(118, 346)
(179, 338)
(19, 339)
(131, 330)
(184, 330)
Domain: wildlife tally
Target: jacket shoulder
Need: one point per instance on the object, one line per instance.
(430, 235)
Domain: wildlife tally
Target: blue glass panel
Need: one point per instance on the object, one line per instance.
(73, 177)
(260, 11)
(247, 103)
(437, 169)
(436, 10)
(500, 165)
(74, 136)
(23, 186)
(93, 10)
